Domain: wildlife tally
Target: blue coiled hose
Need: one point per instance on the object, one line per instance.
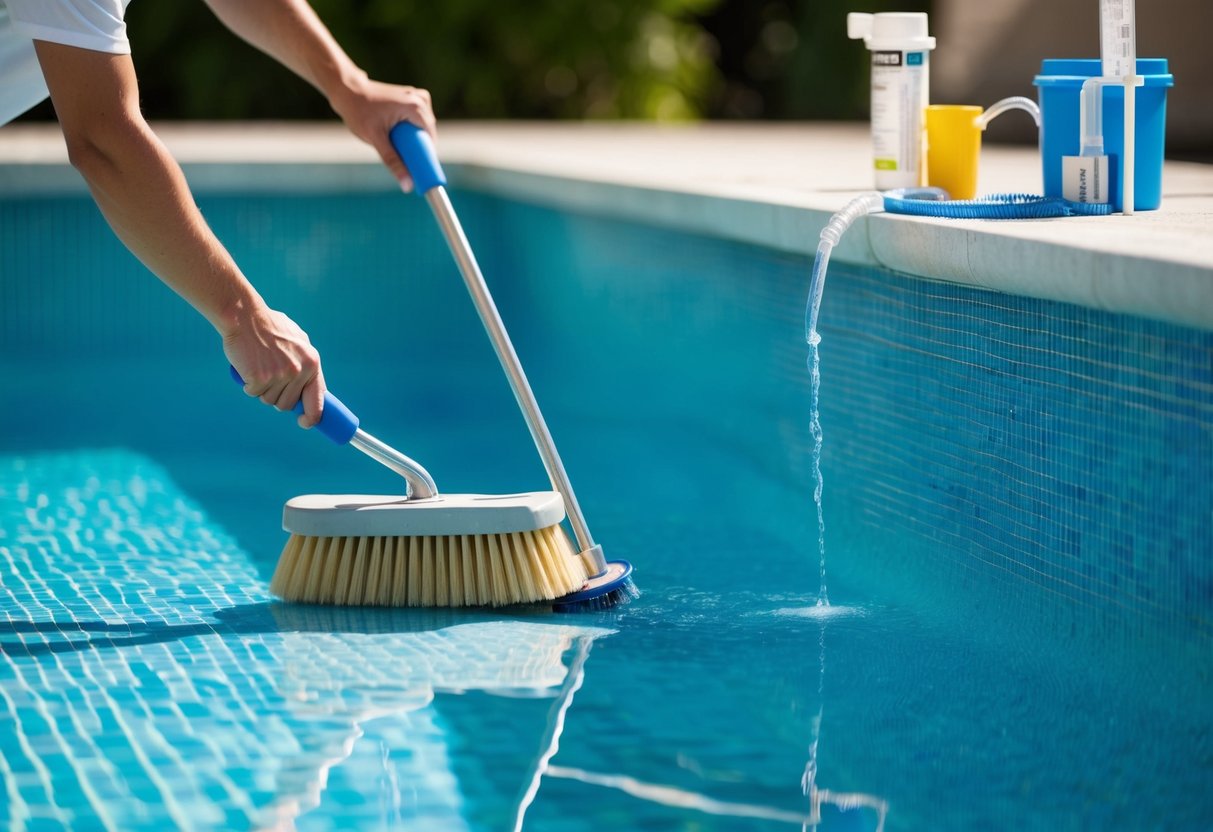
(934, 202)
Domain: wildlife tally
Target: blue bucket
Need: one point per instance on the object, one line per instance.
(1060, 82)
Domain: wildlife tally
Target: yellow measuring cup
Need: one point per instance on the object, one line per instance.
(953, 148)
(954, 142)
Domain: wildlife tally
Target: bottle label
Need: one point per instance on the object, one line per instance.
(898, 99)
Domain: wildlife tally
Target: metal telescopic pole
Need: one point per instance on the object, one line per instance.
(440, 204)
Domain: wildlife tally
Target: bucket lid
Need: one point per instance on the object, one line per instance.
(1065, 72)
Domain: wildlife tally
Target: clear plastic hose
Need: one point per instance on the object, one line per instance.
(1090, 116)
(830, 235)
(858, 207)
(1015, 102)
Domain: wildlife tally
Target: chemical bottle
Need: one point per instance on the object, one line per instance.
(900, 50)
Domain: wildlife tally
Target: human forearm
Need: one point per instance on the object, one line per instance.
(142, 193)
(144, 196)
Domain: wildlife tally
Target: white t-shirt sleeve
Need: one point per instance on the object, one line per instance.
(88, 24)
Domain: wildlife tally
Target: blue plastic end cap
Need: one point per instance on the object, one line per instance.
(617, 580)
(416, 148)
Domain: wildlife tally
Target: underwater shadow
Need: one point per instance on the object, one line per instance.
(251, 619)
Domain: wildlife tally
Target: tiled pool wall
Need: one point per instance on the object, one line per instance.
(1026, 460)
(1029, 460)
(1055, 458)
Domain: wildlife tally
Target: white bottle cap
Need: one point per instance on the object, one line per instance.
(900, 31)
(859, 25)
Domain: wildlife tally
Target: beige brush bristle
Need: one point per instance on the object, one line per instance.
(453, 571)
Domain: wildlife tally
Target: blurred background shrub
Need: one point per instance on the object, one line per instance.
(545, 59)
(664, 60)
(644, 59)
(791, 59)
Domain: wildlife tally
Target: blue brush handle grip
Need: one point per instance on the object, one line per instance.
(336, 421)
(417, 150)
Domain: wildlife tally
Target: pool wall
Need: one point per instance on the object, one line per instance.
(1052, 458)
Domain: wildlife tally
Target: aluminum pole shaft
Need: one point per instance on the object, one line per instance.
(440, 204)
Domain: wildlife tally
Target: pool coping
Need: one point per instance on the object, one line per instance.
(762, 184)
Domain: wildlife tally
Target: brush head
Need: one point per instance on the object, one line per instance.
(371, 515)
(452, 550)
(609, 589)
(464, 570)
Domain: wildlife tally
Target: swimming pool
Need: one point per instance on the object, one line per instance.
(1017, 515)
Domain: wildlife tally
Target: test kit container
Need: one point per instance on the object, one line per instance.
(1060, 84)
(900, 50)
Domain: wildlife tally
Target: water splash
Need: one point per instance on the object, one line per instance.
(822, 612)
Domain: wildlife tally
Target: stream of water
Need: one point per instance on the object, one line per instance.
(814, 340)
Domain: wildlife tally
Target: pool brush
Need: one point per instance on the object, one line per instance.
(427, 549)
(422, 548)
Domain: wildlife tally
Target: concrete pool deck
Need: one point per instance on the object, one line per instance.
(768, 184)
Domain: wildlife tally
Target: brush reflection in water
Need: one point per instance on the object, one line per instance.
(376, 672)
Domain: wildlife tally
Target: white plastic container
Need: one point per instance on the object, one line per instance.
(900, 50)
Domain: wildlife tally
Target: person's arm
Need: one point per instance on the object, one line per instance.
(144, 196)
(290, 32)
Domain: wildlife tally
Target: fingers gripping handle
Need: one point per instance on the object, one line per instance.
(336, 420)
(417, 150)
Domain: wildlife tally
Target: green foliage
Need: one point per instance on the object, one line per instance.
(479, 59)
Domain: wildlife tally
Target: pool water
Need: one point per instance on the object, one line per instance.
(149, 681)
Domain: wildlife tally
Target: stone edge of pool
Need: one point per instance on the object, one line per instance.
(772, 185)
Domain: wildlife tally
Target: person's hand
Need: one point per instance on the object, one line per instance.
(371, 109)
(278, 363)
